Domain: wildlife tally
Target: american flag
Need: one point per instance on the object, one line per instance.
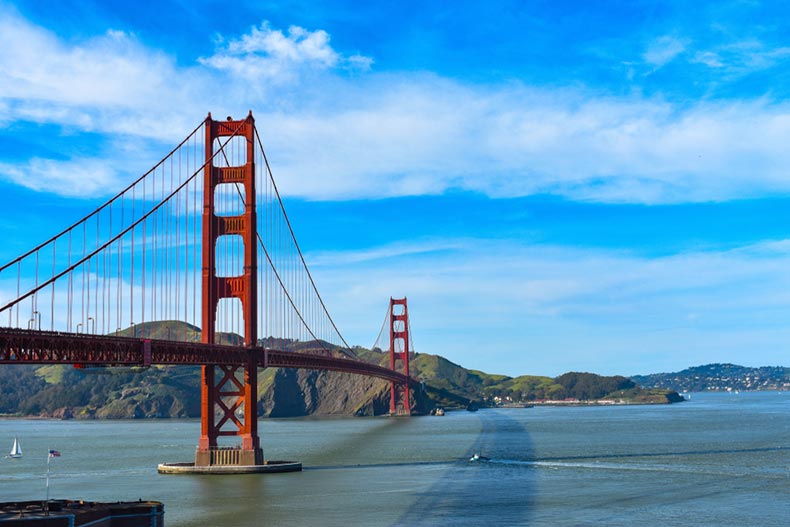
(54, 453)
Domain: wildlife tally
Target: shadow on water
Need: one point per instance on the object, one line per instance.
(477, 493)
(379, 465)
(384, 427)
(305, 497)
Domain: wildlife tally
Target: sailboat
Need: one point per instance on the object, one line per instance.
(16, 450)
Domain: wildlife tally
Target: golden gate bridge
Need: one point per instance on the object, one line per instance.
(201, 238)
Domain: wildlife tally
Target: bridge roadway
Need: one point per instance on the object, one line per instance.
(24, 346)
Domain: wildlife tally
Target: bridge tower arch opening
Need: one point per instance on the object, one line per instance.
(399, 352)
(229, 393)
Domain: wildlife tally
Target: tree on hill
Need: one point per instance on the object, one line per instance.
(17, 385)
(586, 386)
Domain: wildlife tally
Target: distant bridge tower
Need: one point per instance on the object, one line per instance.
(229, 394)
(399, 351)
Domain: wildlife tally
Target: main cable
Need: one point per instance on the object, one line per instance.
(296, 244)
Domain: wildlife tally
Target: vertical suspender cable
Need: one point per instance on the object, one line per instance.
(307, 269)
(144, 327)
(178, 248)
(99, 258)
(170, 248)
(119, 283)
(195, 267)
(131, 271)
(52, 300)
(85, 266)
(33, 299)
(69, 293)
(154, 253)
(105, 286)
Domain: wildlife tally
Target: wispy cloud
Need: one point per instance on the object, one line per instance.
(742, 57)
(395, 250)
(663, 50)
(729, 57)
(109, 84)
(110, 69)
(430, 136)
(537, 304)
(334, 136)
(75, 178)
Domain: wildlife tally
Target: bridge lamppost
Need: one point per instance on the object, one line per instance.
(35, 322)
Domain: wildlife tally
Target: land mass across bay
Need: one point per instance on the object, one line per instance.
(58, 391)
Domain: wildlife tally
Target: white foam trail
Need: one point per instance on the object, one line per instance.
(596, 465)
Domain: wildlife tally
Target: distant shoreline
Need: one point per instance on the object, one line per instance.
(526, 405)
(602, 403)
(583, 403)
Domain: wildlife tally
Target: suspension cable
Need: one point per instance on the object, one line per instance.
(117, 236)
(296, 244)
(107, 204)
(383, 325)
(279, 278)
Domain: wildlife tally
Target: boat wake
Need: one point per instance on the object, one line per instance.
(608, 466)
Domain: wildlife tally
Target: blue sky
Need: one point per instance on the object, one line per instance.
(596, 186)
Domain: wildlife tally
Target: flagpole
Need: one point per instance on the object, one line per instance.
(46, 506)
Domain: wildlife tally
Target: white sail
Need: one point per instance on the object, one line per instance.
(16, 450)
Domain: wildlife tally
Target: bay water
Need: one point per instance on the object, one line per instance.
(718, 459)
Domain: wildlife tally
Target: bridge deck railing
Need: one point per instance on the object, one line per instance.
(21, 346)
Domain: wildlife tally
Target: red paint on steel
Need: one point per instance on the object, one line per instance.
(27, 346)
(399, 339)
(225, 398)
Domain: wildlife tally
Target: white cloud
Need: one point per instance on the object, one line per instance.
(663, 50)
(709, 58)
(739, 58)
(299, 46)
(109, 69)
(397, 250)
(432, 135)
(334, 136)
(77, 177)
(109, 84)
(547, 310)
(270, 55)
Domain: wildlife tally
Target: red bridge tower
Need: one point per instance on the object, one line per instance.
(399, 350)
(229, 394)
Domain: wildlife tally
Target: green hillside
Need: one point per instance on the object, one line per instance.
(174, 391)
